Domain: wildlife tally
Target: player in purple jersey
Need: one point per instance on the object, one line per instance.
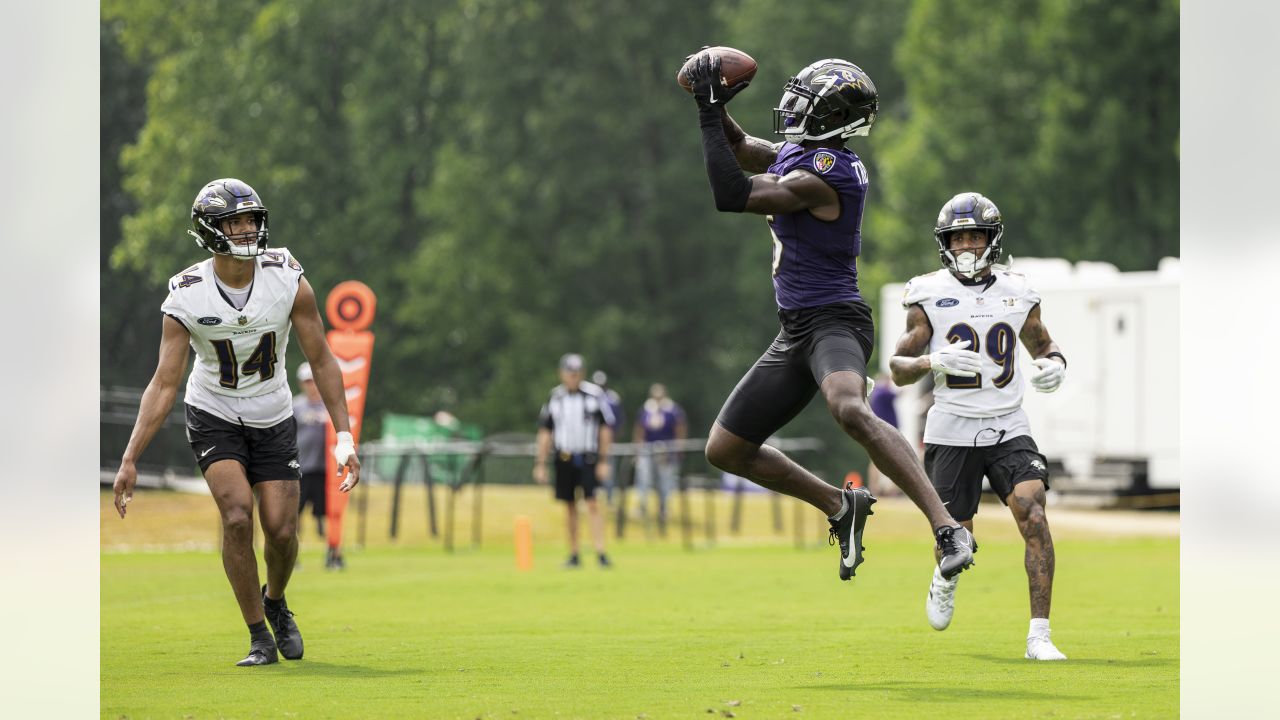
(812, 189)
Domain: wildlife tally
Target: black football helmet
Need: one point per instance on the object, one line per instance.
(969, 211)
(218, 201)
(829, 98)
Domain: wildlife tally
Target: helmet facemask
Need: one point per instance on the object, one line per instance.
(213, 239)
(969, 211)
(220, 201)
(791, 116)
(967, 262)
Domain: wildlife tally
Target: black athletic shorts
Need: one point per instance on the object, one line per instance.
(575, 471)
(812, 344)
(312, 491)
(957, 471)
(266, 453)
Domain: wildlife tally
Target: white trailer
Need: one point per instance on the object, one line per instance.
(1113, 425)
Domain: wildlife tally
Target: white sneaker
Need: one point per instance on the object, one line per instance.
(1040, 647)
(942, 600)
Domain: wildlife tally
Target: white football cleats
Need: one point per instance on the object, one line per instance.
(1040, 647)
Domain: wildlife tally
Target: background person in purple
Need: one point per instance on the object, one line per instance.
(614, 400)
(659, 421)
(812, 190)
(881, 400)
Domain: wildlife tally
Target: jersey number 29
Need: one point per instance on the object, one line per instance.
(1001, 343)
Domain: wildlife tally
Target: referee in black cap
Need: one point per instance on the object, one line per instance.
(575, 425)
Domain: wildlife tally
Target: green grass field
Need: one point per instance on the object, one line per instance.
(752, 628)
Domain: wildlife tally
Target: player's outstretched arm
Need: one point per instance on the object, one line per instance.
(157, 400)
(328, 376)
(727, 151)
(728, 185)
(1050, 363)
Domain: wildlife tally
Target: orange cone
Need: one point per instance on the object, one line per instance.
(524, 543)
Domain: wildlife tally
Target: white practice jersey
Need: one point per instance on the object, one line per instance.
(986, 409)
(239, 372)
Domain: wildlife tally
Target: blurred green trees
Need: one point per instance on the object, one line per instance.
(516, 179)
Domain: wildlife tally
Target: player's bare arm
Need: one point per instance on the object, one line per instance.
(1035, 336)
(797, 190)
(305, 317)
(754, 154)
(157, 400)
(909, 363)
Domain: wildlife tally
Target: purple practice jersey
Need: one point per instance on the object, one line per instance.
(881, 401)
(660, 418)
(815, 262)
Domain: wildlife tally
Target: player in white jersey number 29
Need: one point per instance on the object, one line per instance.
(963, 323)
(236, 309)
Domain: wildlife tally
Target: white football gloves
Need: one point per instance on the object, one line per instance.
(1049, 375)
(955, 360)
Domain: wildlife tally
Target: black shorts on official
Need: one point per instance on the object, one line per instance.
(812, 344)
(266, 453)
(575, 471)
(957, 471)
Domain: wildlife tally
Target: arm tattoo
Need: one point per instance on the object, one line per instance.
(904, 365)
(754, 154)
(915, 340)
(1035, 336)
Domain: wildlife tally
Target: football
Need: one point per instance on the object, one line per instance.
(735, 66)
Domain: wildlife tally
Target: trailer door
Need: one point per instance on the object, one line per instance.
(1120, 361)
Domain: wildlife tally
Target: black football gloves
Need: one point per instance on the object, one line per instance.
(708, 89)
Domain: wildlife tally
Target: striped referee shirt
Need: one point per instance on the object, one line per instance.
(574, 418)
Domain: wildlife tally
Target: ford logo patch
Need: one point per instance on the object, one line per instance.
(944, 302)
(210, 321)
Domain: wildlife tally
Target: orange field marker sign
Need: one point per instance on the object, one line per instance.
(350, 307)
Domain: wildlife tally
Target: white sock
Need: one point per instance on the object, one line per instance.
(1039, 627)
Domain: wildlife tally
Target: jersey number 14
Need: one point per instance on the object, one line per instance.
(261, 362)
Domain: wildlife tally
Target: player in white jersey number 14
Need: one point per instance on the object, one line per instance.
(963, 323)
(236, 309)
